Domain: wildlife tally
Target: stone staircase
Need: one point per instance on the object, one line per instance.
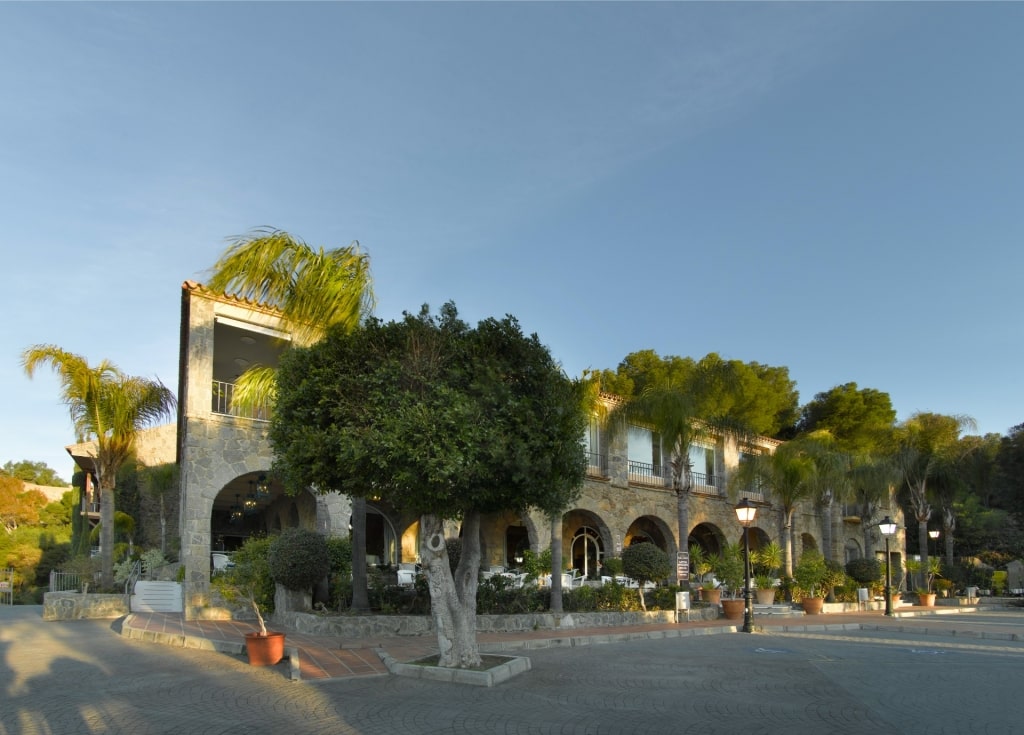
(780, 610)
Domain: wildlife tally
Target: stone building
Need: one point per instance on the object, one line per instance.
(228, 493)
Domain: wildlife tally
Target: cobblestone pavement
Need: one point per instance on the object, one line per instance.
(83, 677)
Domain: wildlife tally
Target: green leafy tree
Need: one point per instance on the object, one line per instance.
(1009, 484)
(442, 421)
(314, 290)
(645, 563)
(110, 408)
(18, 506)
(861, 420)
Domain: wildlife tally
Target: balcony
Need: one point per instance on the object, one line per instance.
(645, 473)
(223, 404)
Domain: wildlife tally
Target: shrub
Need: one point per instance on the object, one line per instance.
(339, 571)
(646, 563)
(864, 571)
(298, 558)
(810, 572)
(249, 579)
(612, 566)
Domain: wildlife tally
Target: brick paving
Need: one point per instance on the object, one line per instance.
(842, 674)
(322, 657)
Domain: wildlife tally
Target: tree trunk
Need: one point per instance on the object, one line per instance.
(106, 536)
(922, 546)
(826, 526)
(787, 541)
(556, 563)
(682, 481)
(948, 527)
(360, 596)
(453, 598)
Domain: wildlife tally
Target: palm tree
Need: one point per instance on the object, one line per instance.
(681, 411)
(872, 479)
(928, 454)
(314, 290)
(798, 470)
(110, 408)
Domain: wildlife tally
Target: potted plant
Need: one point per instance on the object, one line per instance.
(925, 595)
(249, 582)
(729, 569)
(809, 573)
(766, 561)
(702, 565)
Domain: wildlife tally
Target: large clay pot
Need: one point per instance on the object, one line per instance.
(812, 605)
(733, 609)
(926, 599)
(765, 596)
(264, 650)
(714, 596)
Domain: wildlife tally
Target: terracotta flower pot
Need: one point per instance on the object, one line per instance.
(733, 609)
(264, 650)
(714, 596)
(812, 605)
(927, 599)
(765, 596)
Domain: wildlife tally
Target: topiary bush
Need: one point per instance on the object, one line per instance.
(298, 558)
(864, 571)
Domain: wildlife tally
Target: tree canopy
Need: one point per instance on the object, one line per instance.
(759, 397)
(38, 473)
(433, 415)
(860, 419)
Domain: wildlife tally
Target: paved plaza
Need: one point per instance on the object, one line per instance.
(894, 676)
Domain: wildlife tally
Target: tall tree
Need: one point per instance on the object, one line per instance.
(1009, 494)
(681, 408)
(861, 420)
(108, 407)
(928, 453)
(159, 482)
(443, 421)
(315, 290)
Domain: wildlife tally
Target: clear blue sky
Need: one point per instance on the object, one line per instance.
(837, 188)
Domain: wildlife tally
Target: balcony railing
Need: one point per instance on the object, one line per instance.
(645, 473)
(597, 464)
(223, 404)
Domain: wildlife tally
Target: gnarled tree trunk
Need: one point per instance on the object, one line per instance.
(453, 598)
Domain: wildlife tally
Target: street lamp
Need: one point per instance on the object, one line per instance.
(745, 512)
(934, 535)
(888, 528)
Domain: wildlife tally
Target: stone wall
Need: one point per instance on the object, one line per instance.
(76, 606)
(378, 626)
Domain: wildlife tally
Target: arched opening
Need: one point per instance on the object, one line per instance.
(586, 551)
(851, 550)
(517, 540)
(708, 537)
(648, 529)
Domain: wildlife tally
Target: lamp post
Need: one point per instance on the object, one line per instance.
(934, 536)
(745, 512)
(888, 528)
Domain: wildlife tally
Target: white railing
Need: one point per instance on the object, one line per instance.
(223, 393)
(65, 581)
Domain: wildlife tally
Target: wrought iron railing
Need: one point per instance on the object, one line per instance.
(65, 581)
(223, 403)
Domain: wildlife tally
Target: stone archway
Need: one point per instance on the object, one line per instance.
(585, 541)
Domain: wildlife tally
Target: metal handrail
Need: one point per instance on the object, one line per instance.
(223, 394)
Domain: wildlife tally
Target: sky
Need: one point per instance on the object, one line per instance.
(835, 188)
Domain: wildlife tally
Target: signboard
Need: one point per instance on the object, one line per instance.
(683, 566)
